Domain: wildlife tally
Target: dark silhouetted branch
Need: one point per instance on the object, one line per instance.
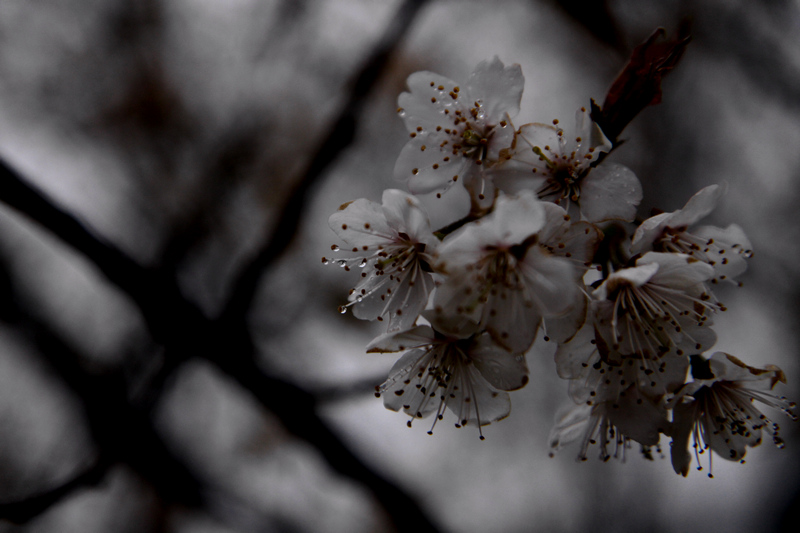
(122, 432)
(596, 17)
(184, 330)
(24, 510)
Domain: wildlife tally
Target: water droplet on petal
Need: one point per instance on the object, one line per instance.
(342, 263)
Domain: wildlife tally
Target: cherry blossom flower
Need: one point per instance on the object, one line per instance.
(725, 249)
(498, 277)
(457, 132)
(558, 168)
(392, 245)
(467, 375)
(596, 377)
(716, 409)
(612, 425)
(658, 305)
(577, 242)
(629, 314)
(619, 399)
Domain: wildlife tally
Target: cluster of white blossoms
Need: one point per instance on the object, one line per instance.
(549, 250)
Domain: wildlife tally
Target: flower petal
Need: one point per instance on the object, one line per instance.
(497, 87)
(610, 192)
(403, 340)
(361, 223)
(476, 402)
(698, 207)
(427, 166)
(405, 213)
(683, 420)
(503, 370)
(424, 107)
(400, 393)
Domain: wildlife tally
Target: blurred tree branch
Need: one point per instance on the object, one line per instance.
(121, 431)
(183, 329)
(596, 17)
(22, 511)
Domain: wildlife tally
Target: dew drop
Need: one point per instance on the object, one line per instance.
(342, 263)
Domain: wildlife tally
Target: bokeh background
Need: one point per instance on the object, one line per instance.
(177, 130)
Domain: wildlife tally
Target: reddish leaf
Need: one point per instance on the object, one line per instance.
(639, 83)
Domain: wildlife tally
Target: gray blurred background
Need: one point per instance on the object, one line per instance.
(177, 129)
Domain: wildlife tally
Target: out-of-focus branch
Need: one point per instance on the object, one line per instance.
(353, 389)
(297, 410)
(24, 510)
(596, 17)
(227, 344)
(155, 291)
(185, 332)
(339, 137)
(121, 432)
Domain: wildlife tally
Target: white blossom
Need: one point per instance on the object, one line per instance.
(468, 375)
(612, 425)
(391, 244)
(716, 409)
(658, 305)
(725, 249)
(619, 398)
(629, 309)
(498, 277)
(558, 168)
(457, 131)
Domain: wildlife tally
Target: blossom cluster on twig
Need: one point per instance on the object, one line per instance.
(551, 249)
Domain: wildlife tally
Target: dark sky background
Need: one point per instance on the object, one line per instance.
(177, 131)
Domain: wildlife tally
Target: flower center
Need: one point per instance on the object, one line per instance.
(648, 320)
(563, 177)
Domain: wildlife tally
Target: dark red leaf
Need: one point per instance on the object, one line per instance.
(639, 83)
